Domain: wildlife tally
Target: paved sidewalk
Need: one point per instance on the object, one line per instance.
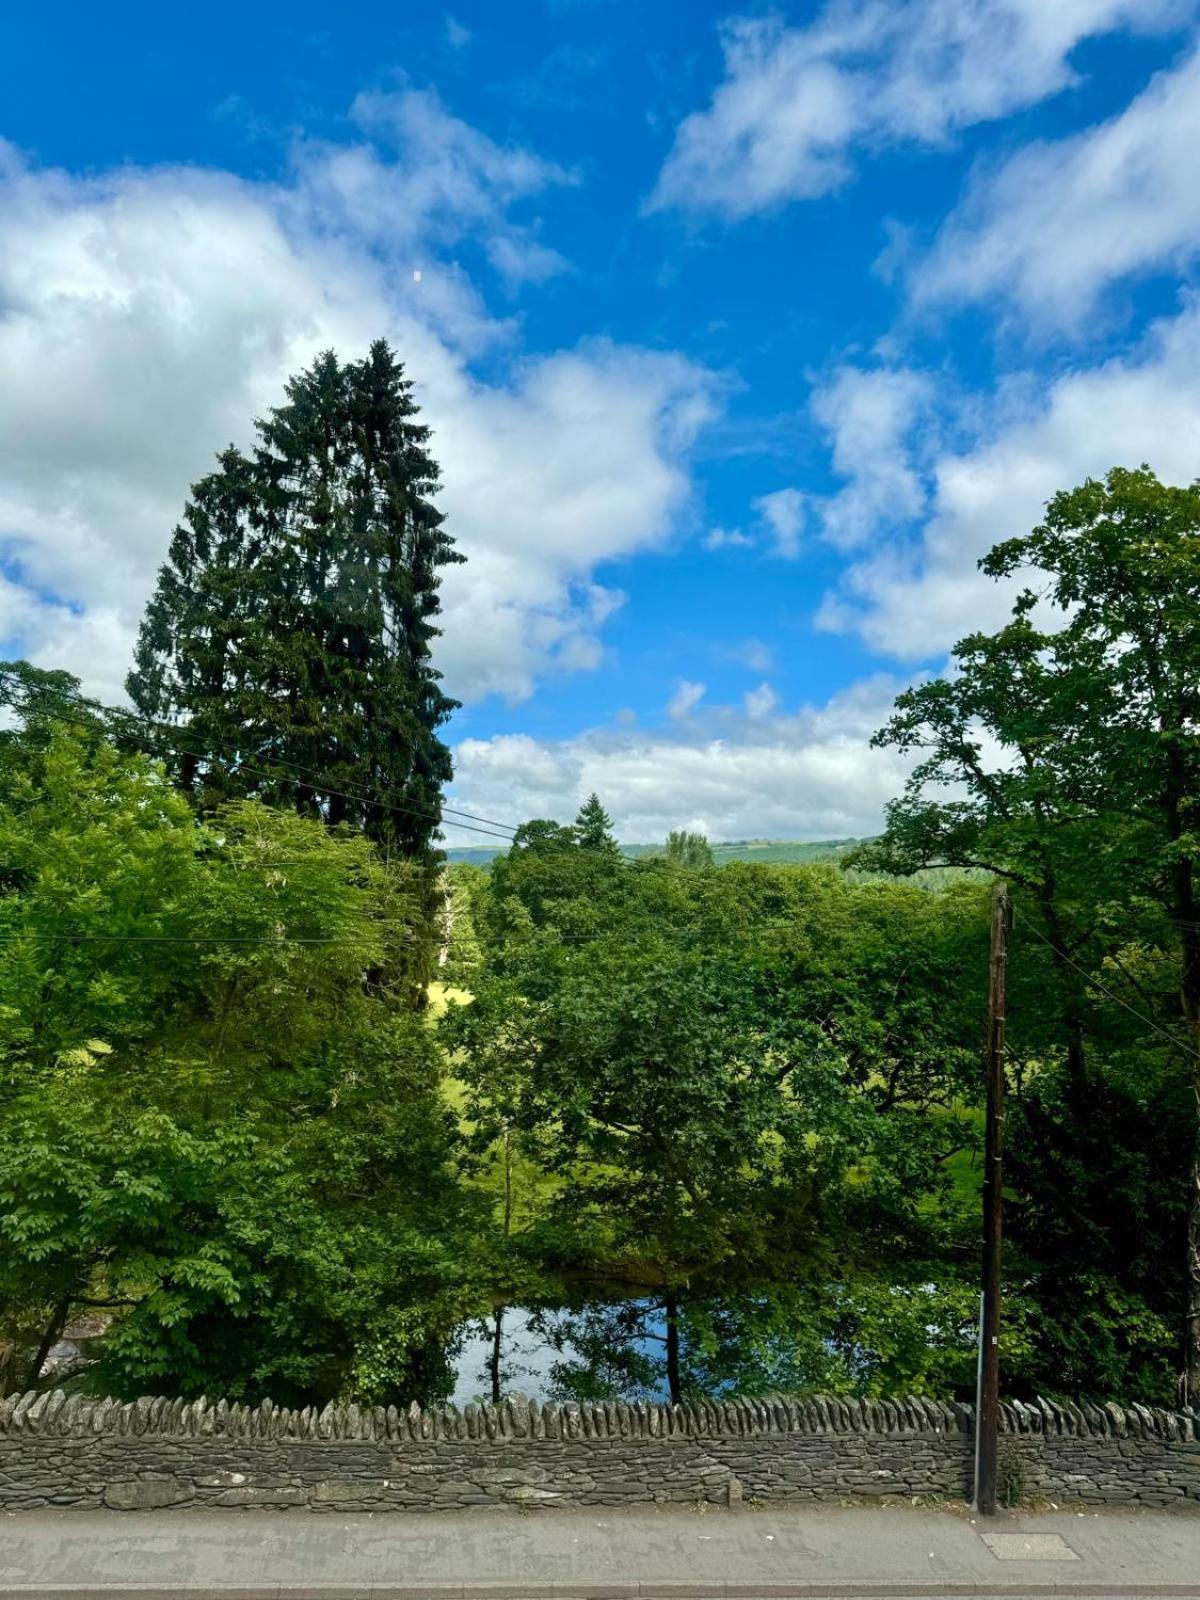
(810, 1552)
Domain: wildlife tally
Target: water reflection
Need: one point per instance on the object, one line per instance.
(869, 1339)
(556, 1353)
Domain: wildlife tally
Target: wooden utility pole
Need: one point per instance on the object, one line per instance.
(987, 1410)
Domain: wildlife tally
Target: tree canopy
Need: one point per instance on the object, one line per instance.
(290, 632)
(208, 1125)
(1070, 742)
(702, 1126)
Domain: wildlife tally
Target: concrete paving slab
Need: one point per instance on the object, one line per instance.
(1029, 1547)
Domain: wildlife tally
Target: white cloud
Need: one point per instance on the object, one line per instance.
(457, 34)
(870, 416)
(798, 104)
(759, 703)
(783, 512)
(1054, 226)
(754, 654)
(580, 461)
(727, 539)
(913, 600)
(147, 315)
(424, 179)
(808, 775)
(686, 698)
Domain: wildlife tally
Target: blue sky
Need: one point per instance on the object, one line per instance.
(743, 333)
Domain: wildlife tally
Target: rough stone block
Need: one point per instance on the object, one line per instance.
(249, 1496)
(338, 1489)
(146, 1494)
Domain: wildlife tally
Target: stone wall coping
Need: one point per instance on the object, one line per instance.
(53, 1413)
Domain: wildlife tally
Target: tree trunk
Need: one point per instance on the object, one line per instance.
(447, 920)
(1190, 998)
(508, 1184)
(671, 1306)
(1073, 1003)
(498, 1324)
(1192, 1343)
(494, 1359)
(50, 1338)
(1178, 807)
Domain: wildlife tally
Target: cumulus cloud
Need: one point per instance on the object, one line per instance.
(783, 512)
(870, 417)
(147, 315)
(686, 698)
(580, 461)
(913, 598)
(797, 105)
(810, 774)
(1054, 226)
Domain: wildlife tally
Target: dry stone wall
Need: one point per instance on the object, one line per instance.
(150, 1453)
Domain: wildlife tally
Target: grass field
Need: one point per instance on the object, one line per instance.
(787, 851)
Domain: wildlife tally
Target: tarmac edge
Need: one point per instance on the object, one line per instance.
(651, 1590)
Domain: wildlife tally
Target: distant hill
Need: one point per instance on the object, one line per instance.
(790, 851)
(785, 850)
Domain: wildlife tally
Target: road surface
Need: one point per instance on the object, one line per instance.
(674, 1555)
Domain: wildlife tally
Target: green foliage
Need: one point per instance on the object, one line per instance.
(208, 1123)
(292, 623)
(593, 827)
(716, 1128)
(548, 877)
(734, 1078)
(462, 888)
(1099, 1193)
(691, 850)
(1072, 754)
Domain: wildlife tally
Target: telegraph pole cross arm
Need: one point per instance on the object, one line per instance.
(987, 1410)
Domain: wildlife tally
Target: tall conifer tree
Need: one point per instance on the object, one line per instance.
(593, 827)
(291, 627)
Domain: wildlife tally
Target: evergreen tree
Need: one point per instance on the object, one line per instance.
(291, 627)
(593, 827)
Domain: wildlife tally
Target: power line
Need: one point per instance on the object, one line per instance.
(183, 938)
(364, 798)
(719, 938)
(281, 768)
(14, 936)
(477, 823)
(1088, 977)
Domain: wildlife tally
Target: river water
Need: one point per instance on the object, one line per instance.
(616, 1347)
(540, 1358)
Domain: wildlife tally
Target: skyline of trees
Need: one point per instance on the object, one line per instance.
(706, 1125)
